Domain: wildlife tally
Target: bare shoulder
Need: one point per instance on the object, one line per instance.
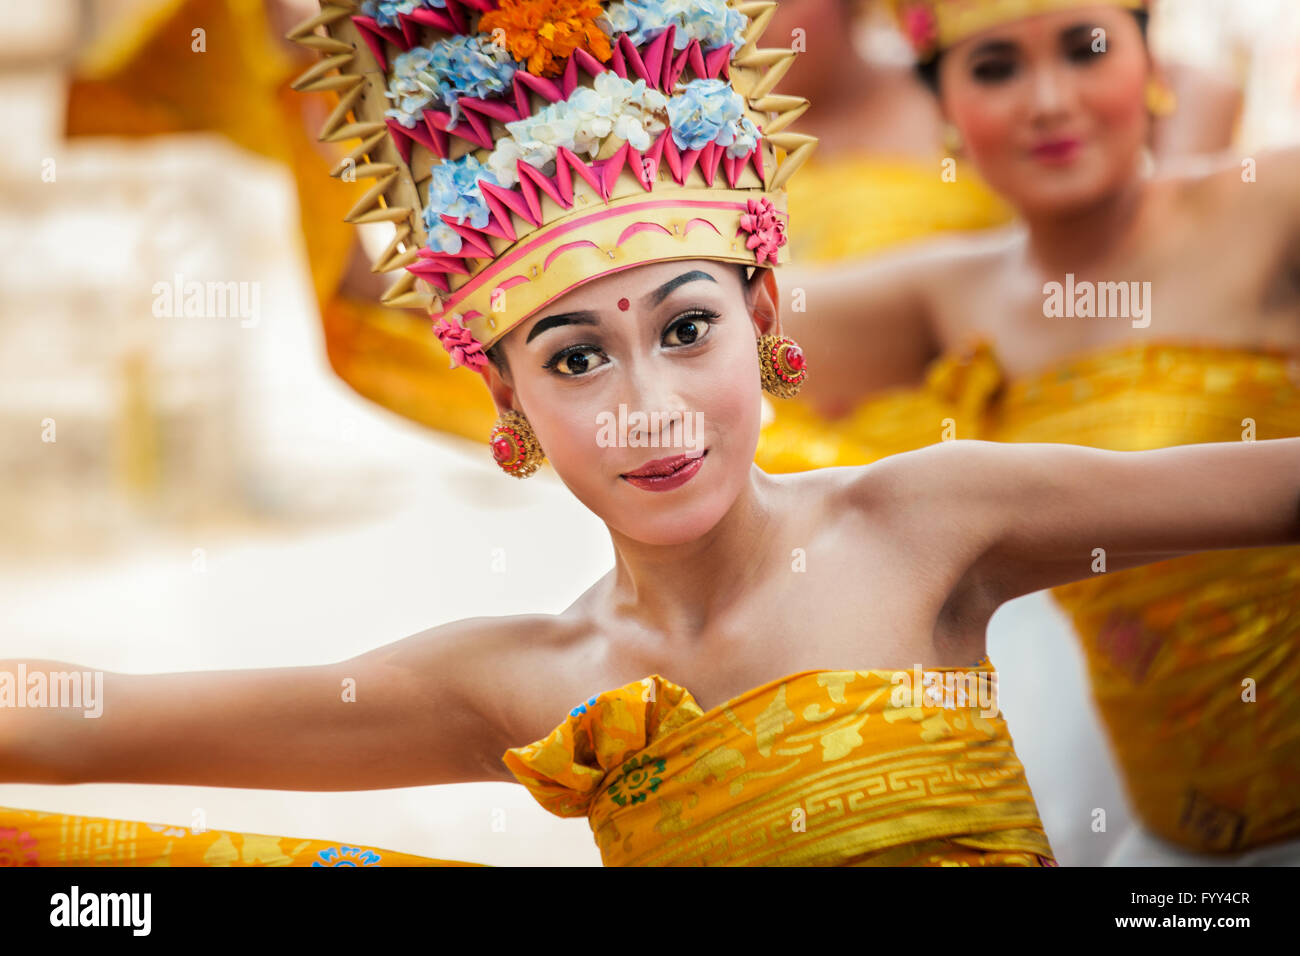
(953, 272)
(1265, 181)
(481, 680)
(931, 475)
(956, 258)
(921, 496)
(933, 499)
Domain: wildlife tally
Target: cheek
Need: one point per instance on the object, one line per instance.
(730, 403)
(985, 117)
(1115, 99)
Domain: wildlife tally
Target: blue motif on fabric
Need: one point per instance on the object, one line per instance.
(582, 708)
(347, 856)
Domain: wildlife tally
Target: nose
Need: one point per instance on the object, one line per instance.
(654, 389)
(1050, 93)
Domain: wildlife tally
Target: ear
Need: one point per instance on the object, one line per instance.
(766, 310)
(499, 386)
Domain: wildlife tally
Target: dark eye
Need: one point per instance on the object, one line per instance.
(993, 71)
(574, 360)
(1082, 53)
(689, 328)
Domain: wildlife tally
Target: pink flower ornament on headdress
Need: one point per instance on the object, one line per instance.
(920, 26)
(766, 230)
(460, 344)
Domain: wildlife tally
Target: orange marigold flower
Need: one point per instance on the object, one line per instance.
(544, 33)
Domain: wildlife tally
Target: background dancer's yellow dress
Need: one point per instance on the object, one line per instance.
(1194, 662)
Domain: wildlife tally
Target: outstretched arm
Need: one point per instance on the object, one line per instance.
(402, 715)
(1039, 511)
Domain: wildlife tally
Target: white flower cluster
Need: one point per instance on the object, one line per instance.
(630, 110)
(712, 22)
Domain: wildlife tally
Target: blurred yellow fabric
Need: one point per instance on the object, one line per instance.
(36, 838)
(144, 78)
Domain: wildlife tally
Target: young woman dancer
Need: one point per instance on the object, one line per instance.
(1122, 312)
(778, 669)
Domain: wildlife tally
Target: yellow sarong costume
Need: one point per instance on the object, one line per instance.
(820, 768)
(37, 838)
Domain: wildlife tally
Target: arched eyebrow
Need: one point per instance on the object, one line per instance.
(992, 48)
(587, 317)
(665, 290)
(1069, 36)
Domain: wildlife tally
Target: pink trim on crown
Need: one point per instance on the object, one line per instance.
(498, 266)
(699, 222)
(636, 227)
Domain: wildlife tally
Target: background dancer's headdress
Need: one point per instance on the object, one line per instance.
(523, 147)
(934, 25)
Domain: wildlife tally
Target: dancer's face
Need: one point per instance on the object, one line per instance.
(1052, 121)
(653, 362)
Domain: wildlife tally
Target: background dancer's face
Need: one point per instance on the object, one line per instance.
(653, 362)
(1052, 122)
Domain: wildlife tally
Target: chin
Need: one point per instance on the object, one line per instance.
(681, 515)
(1063, 191)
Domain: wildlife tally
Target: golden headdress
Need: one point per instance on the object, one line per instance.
(523, 147)
(934, 25)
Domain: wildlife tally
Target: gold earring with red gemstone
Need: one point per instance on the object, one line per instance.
(514, 445)
(782, 364)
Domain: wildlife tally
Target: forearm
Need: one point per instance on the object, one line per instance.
(397, 716)
(861, 327)
(205, 728)
(44, 718)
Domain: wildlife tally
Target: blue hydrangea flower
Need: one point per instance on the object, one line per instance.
(711, 22)
(452, 68)
(453, 191)
(710, 111)
(469, 66)
(407, 89)
(386, 11)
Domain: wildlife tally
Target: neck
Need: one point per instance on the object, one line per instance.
(679, 590)
(1072, 241)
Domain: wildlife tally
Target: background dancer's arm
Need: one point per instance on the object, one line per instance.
(863, 325)
(1036, 513)
(418, 719)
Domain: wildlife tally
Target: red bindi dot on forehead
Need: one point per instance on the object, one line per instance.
(623, 305)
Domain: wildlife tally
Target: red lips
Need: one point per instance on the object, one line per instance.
(1060, 150)
(662, 466)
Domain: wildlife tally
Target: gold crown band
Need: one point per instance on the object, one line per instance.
(935, 25)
